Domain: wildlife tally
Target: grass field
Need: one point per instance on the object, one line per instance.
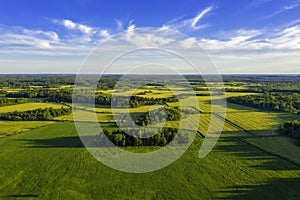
(49, 163)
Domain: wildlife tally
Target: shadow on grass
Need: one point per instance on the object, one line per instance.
(260, 160)
(281, 188)
(59, 142)
(251, 133)
(254, 156)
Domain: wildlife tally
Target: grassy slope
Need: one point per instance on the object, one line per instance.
(51, 168)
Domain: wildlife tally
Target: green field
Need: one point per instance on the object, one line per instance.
(60, 168)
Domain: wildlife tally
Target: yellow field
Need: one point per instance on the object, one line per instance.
(102, 117)
(28, 106)
(11, 128)
(255, 121)
(104, 114)
(65, 86)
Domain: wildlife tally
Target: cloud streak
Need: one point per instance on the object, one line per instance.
(189, 24)
(285, 8)
(22, 38)
(198, 17)
(255, 42)
(256, 3)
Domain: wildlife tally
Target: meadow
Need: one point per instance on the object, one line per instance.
(51, 163)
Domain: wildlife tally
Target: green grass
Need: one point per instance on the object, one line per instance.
(49, 163)
(28, 106)
(278, 145)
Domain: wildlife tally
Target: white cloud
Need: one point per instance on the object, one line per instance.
(235, 40)
(229, 49)
(188, 43)
(69, 24)
(131, 27)
(190, 24)
(51, 35)
(256, 51)
(284, 40)
(285, 8)
(104, 33)
(85, 29)
(75, 26)
(199, 17)
(29, 38)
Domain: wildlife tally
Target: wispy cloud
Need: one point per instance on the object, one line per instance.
(285, 8)
(256, 51)
(119, 24)
(256, 3)
(255, 42)
(197, 18)
(19, 37)
(123, 26)
(21, 41)
(191, 24)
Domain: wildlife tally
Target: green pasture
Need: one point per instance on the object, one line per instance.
(51, 163)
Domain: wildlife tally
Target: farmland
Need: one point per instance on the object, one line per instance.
(28, 106)
(47, 160)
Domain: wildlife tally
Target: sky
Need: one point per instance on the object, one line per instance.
(248, 36)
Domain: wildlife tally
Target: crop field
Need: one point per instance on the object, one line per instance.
(11, 127)
(29, 106)
(45, 159)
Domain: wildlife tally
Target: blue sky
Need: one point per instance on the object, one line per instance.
(248, 36)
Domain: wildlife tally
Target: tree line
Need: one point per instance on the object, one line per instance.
(83, 96)
(137, 137)
(52, 81)
(10, 101)
(286, 102)
(291, 129)
(62, 95)
(137, 101)
(26, 81)
(36, 114)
